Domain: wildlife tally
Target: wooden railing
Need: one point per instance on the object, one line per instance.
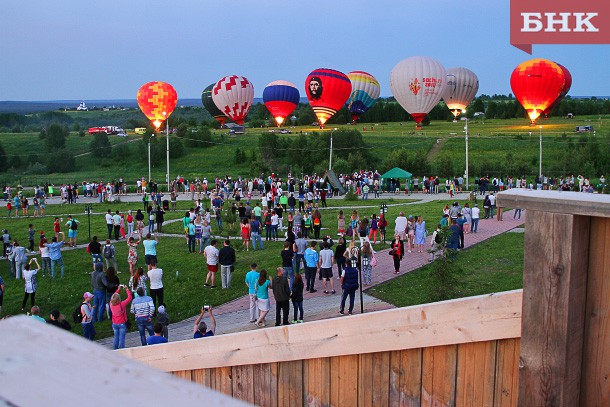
(433, 354)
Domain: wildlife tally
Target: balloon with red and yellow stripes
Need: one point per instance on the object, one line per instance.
(157, 100)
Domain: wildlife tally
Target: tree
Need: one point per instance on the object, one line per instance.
(100, 145)
(55, 137)
(3, 159)
(61, 161)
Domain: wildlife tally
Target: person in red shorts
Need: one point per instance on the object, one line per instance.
(211, 258)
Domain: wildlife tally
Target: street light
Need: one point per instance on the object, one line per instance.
(540, 163)
(330, 160)
(149, 140)
(167, 150)
(88, 211)
(466, 131)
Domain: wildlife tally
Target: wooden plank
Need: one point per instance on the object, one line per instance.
(183, 374)
(365, 380)
(473, 319)
(265, 384)
(381, 379)
(439, 376)
(56, 357)
(222, 380)
(201, 376)
(316, 380)
(405, 378)
(476, 374)
(595, 389)
(343, 382)
(554, 298)
(507, 373)
(290, 384)
(242, 378)
(574, 203)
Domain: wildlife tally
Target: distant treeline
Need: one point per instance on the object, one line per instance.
(385, 110)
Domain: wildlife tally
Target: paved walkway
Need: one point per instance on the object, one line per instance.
(234, 315)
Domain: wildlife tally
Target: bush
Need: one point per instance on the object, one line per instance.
(36, 169)
(61, 161)
(350, 195)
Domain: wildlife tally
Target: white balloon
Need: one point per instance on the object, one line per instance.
(233, 95)
(418, 83)
(462, 87)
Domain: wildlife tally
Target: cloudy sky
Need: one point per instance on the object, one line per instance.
(75, 49)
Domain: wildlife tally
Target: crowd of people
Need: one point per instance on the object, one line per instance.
(289, 210)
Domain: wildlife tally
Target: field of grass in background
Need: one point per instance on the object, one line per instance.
(494, 265)
(491, 141)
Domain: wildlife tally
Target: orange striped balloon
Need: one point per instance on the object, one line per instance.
(157, 100)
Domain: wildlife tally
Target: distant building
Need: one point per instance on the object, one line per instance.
(82, 106)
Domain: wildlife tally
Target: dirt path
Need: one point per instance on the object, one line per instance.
(435, 150)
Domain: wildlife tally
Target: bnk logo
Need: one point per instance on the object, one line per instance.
(559, 22)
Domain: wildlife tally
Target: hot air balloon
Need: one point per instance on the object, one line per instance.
(462, 87)
(233, 96)
(281, 98)
(536, 84)
(208, 104)
(365, 91)
(566, 88)
(157, 100)
(418, 84)
(327, 90)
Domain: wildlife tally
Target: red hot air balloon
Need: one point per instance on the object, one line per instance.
(566, 88)
(536, 84)
(157, 100)
(233, 95)
(327, 91)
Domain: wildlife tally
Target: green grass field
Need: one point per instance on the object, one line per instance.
(490, 142)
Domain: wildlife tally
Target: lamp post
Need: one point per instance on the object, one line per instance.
(88, 210)
(330, 160)
(540, 161)
(466, 132)
(149, 141)
(167, 151)
(383, 209)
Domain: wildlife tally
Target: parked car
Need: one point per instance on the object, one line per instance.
(285, 131)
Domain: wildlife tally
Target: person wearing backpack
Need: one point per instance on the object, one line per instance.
(436, 243)
(317, 223)
(72, 231)
(109, 255)
(85, 316)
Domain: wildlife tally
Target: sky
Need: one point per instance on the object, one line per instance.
(75, 49)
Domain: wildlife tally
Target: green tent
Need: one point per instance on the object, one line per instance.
(397, 173)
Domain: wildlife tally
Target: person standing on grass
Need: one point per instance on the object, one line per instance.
(190, 236)
(109, 223)
(111, 282)
(110, 255)
(72, 225)
(29, 275)
(55, 254)
(155, 277)
(20, 259)
(211, 258)
(281, 293)
(226, 258)
(287, 261)
(95, 250)
(31, 233)
(143, 308)
(245, 234)
(118, 310)
(99, 292)
(86, 310)
(150, 249)
(130, 222)
(251, 279)
(132, 255)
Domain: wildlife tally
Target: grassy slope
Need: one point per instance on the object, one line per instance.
(492, 266)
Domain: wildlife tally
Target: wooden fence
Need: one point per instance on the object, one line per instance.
(460, 352)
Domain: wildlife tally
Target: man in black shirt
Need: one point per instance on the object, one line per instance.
(226, 259)
(95, 249)
(287, 261)
(58, 320)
